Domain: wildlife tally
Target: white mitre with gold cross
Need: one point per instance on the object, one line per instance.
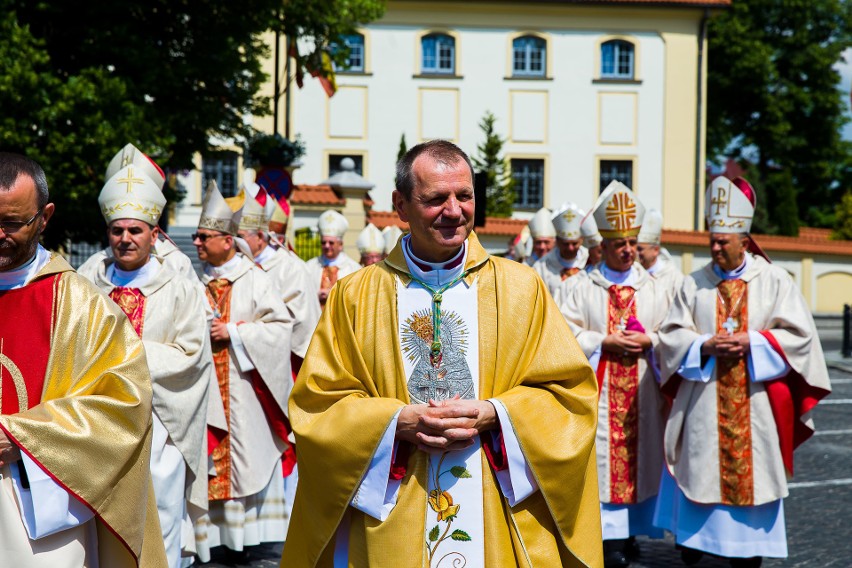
(618, 212)
(216, 214)
(130, 155)
(370, 240)
(652, 228)
(332, 224)
(541, 225)
(254, 215)
(131, 195)
(729, 206)
(567, 221)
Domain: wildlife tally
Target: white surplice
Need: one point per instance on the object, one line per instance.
(690, 496)
(585, 305)
(260, 327)
(550, 267)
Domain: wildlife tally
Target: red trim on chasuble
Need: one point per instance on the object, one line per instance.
(623, 403)
(276, 418)
(736, 466)
(219, 296)
(132, 303)
(25, 338)
(790, 397)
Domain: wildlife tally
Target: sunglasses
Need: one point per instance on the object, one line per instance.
(203, 237)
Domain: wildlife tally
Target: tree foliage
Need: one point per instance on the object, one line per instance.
(403, 148)
(499, 191)
(773, 98)
(843, 218)
(79, 80)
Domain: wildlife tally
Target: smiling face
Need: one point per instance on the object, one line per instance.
(440, 210)
(132, 242)
(619, 254)
(19, 204)
(728, 250)
(214, 247)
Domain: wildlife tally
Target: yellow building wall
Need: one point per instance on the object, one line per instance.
(833, 290)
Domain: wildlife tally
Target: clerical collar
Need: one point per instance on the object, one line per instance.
(434, 273)
(224, 271)
(735, 273)
(568, 263)
(17, 278)
(138, 278)
(626, 278)
(656, 267)
(334, 261)
(266, 254)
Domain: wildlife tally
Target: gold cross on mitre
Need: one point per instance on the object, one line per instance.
(569, 215)
(130, 180)
(621, 212)
(720, 199)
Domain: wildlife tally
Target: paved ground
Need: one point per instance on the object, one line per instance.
(819, 509)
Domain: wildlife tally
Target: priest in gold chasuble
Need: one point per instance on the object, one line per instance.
(615, 312)
(167, 311)
(742, 360)
(250, 337)
(75, 404)
(444, 415)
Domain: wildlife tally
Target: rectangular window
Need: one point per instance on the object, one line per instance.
(334, 166)
(529, 183)
(221, 167)
(355, 43)
(438, 54)
(611, 170)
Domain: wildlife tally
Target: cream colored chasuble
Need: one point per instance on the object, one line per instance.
(454, 533)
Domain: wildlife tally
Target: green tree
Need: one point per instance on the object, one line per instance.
(403, 148)
(843, 218)
(773, 97)
(80, 80)
(499, 192)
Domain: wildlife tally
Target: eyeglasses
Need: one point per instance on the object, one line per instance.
(10, 227)
(203, 236)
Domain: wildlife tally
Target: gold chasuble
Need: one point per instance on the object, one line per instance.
(353, 382)
(76, 398)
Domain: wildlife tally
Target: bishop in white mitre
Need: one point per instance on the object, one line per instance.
(655, 259)
(333, 264)
(251, 329)
(615, 312)
(167, 312)
(568, 257)
(164, 248)
(543, 235)
(741, 357)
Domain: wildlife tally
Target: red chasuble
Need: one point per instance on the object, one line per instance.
(219, 295)
(25, 332)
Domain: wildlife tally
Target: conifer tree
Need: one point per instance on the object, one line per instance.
(499, 192)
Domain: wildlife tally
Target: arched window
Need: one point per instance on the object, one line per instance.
(617, 59)
(355, 43)
(439, 54)
(529, 56)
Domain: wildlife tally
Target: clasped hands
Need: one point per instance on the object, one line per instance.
(727, 346)
(626, 342)
(444, 426)
(219, 331)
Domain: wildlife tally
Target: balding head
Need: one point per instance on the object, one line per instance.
(12, 166)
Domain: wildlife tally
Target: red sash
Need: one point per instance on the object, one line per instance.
(25, 338)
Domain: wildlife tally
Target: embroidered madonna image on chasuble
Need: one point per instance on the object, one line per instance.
(219, 296)
(623, 401)
(736, 468)
(25, 343)
(454, 527)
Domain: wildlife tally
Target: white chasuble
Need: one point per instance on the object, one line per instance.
(454, 530)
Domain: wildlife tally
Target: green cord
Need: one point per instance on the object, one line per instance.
(437, 298)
